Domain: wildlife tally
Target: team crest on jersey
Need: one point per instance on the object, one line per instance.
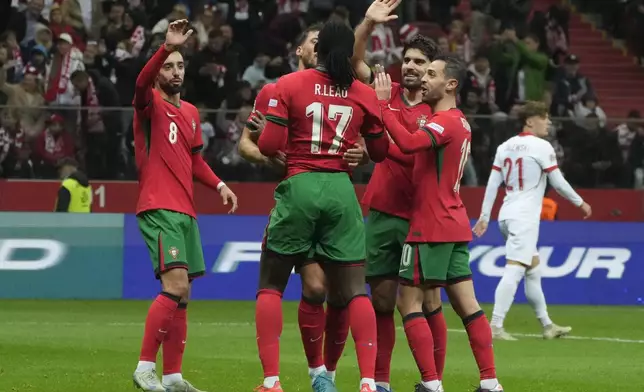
(194, 126)
(174, 252)
(422, 120)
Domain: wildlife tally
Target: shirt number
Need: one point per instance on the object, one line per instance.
(172, 136)
(465, 154)
(340, 113)
(507, 163)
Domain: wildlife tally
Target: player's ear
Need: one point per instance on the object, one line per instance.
(298, 51)
(451, 85)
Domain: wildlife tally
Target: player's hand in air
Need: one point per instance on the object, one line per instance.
(379, 11)
(177, 34)
(480, 228)
(228, 195)
(354, 155)
(382, 83)
(256, 124)
(585, 208)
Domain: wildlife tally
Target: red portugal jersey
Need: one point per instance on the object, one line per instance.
(322, 122)
(261, 100)
(438, 214)
(165, 137)
(390, 188)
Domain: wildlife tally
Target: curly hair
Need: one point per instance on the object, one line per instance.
(424, 44)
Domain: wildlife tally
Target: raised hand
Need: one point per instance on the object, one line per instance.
(382, 83)
(379, 11)
(177, 34)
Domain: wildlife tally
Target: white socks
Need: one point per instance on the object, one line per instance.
(331, 374)
(169, 379)
(489, 384)
(269, 382)
(534, 294)
(505, 291)
(368, 381)
(384, 385)
(145, 366)
(432, 385)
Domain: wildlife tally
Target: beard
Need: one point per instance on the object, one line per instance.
(170, 89)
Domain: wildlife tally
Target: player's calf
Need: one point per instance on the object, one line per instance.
(433, 310)
(384, 290)
(463, 300)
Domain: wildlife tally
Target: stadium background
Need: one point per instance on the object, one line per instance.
(589, 66)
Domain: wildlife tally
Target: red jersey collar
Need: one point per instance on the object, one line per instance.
(525, 134)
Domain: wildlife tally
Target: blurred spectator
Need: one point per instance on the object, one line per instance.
(479, 76)
(179, 11)
(589, 108)
(52, 145)
(238, 98)
(382, 48)
(8, 39)
(205, 23)
(58, 25)
(443, 44)
(15, 153)
(39, 60)
(24, 22)
(102, 129)
(232, 47)
(570, 87)
(291, 6)
(459, 42)
(630, 138)
(26, 101)
(112, 32)
(207, 130)
(42, 37)
(66, 61)
(255, 73)
(225, 148)
(557, 32)
(512, 13)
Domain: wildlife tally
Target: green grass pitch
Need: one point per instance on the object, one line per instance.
(92, 346)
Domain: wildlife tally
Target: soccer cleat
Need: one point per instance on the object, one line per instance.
(497, 388)
(181, 386)
(501, 334)
(366, 388)
(383, 389)
(421, 388)
(554, 331)
(323, 383)
(276, 388)
(148, 381)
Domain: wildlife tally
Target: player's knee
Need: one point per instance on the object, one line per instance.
(463, 299)
(383, 294)
(314, 291)
(409, 300)
(178, 287)
(313, 282)
(432, 300)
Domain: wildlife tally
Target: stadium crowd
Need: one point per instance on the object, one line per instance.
(68, 70)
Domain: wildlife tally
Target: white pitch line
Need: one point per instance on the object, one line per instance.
(247, 324)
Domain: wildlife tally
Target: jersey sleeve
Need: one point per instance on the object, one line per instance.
(197, 139)
(547, 158)
(263, 97)
(497, 164)
(438, 130)
(274, 135)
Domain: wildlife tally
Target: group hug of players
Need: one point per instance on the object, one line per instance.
(314, 126)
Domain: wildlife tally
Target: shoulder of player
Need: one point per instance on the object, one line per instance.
(188, 107)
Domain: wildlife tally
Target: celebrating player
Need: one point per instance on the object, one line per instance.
(322, 354)
(435, 253)
(525, 163)
(389, 195)
(167, 136)
(318, 113)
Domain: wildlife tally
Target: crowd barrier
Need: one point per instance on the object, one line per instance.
(103, 256)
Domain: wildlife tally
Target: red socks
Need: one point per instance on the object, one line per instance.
(175, 341)
(362, 320)
(157, 324)
(421, 344)
(386, 340)
(336, 333)
(480, 334)
(438, 326)
(311, 319)
(268, 324)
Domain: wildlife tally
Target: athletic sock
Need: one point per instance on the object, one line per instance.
(175, 342)
(505, 292)
(438, 326)
(157, 324)
(386, 328)
(480, 334)
(421, 343)
(268, 325)
(335, 335)
(534, 295)
(362, 320)
(311, 319)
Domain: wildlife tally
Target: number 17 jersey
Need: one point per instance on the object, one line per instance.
(322, 121)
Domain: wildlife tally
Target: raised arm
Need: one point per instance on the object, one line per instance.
(378, 12)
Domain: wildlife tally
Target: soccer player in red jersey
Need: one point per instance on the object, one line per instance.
(319, 113)
(389, 194)
(167, 137)
(322, 354)
(435, 252)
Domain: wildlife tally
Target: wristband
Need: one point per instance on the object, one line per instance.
(220, 185)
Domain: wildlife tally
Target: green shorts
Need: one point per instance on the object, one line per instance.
(385, 237)
(435, 263)
(173, 241)
(317, 212)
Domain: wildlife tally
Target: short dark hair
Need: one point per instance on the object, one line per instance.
(299, 41)
(455, 68)
(532, 109)
(424, 44)
(67, 161)
(79, 74)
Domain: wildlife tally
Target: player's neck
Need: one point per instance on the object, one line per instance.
(300, 66)
(413, 97)
(447, 103)
(173, 99)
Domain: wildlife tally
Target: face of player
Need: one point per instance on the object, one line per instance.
(414, 67)
(170, 77)
(539, 125)
(435, 85)
(306, 52)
